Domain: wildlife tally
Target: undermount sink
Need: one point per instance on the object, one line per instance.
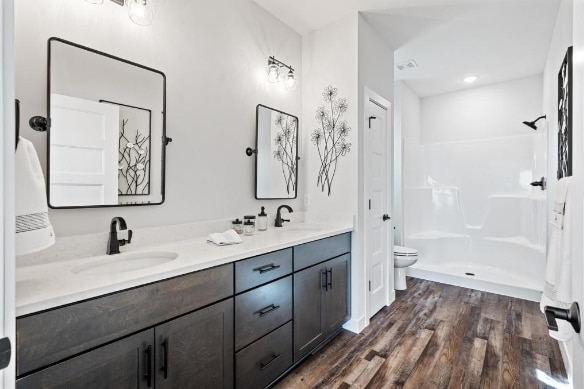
(125, 263)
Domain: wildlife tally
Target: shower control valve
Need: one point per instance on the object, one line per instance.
(541, 183)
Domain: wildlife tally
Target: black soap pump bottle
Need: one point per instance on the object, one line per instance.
(262, 220)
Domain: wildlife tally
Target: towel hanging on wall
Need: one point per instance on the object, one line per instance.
(34, 231)
(558, 272)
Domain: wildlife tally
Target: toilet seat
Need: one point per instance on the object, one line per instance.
(401, 251)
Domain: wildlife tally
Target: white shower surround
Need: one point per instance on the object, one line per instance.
(475, 212)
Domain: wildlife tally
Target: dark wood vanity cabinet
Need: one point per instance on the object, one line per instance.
(196, 350)
(127, 363)
(243, 325)
(321, 303)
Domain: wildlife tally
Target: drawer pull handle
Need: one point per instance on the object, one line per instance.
(269, 309)
(266, 268)
(148, 372)
(165, 350)
(330, 281)
(324, 279)
(274, 359)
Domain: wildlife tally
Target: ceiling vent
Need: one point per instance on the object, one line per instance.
(411, 64)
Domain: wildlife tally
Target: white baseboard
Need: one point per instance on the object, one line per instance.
(356, 325)
(566, 349)
(391, 297)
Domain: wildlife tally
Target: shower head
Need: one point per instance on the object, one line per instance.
(533, 123)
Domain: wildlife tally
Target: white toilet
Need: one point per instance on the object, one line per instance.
(402, 258)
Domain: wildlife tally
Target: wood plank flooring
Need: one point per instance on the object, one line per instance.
(440, 336)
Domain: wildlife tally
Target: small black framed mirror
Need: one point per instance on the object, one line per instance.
(106, 132)
(276, 154)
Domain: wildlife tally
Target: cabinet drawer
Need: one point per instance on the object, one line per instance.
(53, 335)
(261, 310)
(265, 360)
(311, 253)
(255, 271)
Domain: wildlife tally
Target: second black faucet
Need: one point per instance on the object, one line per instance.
(279, 219)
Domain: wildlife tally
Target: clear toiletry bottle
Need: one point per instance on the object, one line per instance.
(262, 220)
(237, 226)
(249, 224)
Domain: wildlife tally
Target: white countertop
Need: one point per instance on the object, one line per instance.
(46, 286)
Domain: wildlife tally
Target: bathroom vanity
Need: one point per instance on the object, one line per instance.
(242, 323)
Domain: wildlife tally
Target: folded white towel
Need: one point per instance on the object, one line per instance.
(226, 238)
(558, 273)
(34, 231)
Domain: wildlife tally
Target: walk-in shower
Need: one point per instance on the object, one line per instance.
(476, 220)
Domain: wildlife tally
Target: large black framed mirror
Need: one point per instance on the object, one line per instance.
(106, 143)
(276, 154)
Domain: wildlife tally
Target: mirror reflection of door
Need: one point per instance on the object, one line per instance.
(83, 152)
(277, 154)
(107, 129)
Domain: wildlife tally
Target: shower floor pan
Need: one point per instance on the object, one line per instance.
(479, 277)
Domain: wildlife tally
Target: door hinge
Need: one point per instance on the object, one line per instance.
(370, 286)
(369, 203)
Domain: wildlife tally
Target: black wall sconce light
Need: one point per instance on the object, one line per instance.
(533, 123)
(275, 73)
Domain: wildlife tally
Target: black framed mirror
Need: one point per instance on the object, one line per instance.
(276, 154)
(106, 143)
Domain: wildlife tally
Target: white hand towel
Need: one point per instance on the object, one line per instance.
(34, 231)
(558, 273)
(226, 238)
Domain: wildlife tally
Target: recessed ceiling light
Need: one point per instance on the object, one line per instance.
(470, 79)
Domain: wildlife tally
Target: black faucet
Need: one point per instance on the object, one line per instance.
(113, 243)
(279, 219)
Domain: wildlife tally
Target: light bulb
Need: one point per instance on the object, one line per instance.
(141, 12)
(291, 81)
(273, 73)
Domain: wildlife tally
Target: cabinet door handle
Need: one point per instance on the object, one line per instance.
(165, 350)
(274, 359)
(266, 268)
(330, 280)
(148, 372)
(269, 309)
(324, 279)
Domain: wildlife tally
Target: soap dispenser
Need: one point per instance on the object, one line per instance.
(262, 220)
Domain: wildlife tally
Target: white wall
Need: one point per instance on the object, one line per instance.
(329, 57)
(214, 55)
(375, 74)
(406, 137)
(485, 112)
(561, 40)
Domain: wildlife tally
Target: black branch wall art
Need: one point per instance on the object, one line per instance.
(330, 138)
(285, 148)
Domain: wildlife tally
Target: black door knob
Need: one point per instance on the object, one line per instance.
(571, 315)
(386, 217)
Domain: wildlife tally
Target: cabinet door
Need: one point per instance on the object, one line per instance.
(196, 350)
(337, 295)
(309, 326)
(127, 363)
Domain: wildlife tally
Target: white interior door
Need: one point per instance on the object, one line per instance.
(7, 143)
(377, 223)
(84, 152)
